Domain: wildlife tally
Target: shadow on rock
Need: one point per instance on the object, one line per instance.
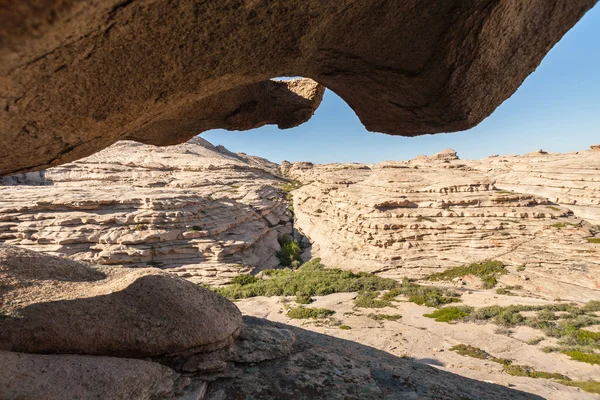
(325, 367)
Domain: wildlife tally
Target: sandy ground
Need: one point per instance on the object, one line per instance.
(428, 341)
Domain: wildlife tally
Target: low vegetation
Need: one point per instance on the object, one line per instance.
(288, 188)
(448, 314)
(593, 240)
(244, 279)
(290, 251)
(507, 365)
(487, 272)
(589, 358)
(309, 313)
(371, 300)
(345, 327)
(506, 290)
(311, 279)
(385, 317)
(553, 208)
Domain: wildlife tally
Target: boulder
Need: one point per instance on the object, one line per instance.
(54, 305)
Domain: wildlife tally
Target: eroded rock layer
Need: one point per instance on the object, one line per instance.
(195, 209)
(415, 218)
(77, 76)
(572, 179)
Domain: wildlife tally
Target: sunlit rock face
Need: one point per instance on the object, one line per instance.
(194, 209)
(77, 76)
(571, 180)
(414, 218)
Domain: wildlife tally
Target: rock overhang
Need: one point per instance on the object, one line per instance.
(77, 76)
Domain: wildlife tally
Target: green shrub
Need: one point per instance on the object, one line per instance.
(593, 240)
(448, 314)
(306, 313)
(487, 271)
(524, 370)
(470, 351)
(426, 295)
(553, 208)
(593, 305)
(312, 279)
(559, 225)
(588, 386)
(244, 279)
(371, 300)
(303, 298)
(385, 317)
(345, 327)
(289, 252)
(589, 358)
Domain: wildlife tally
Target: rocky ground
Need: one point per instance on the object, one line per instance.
(209, 215)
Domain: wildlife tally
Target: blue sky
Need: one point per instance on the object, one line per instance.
(556, 109)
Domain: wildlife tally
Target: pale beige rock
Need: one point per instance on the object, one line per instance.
(194, 209)
(571, 180)
(54, 305)
(414, 218)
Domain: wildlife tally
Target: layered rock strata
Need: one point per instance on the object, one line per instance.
(415, 218)
(77, 76)
(571, 179)
(194, 209)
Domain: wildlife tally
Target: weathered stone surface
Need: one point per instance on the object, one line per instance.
(414, 218)
(571, 180)
(77, 76)
(195, 209)
(59, 377)
(324, 367)
(55, 305)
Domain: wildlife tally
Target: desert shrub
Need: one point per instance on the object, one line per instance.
(553, 208)
(303, 298)
(425, 295)
(524, 370)
(588, 386)
(385, 317)
(448, 314)
(289, 252)
(306, 313)
(592, 306)
(312, 279)
(196, 228)
(470, 351)
(589, 358)
(487, 271)
(345, 327)
(371, 300)
(593, 240)
(244, 279)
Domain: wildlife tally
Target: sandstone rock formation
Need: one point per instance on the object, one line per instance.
(77, 76)
(195, 209)
(571, 180)
(414, 218)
